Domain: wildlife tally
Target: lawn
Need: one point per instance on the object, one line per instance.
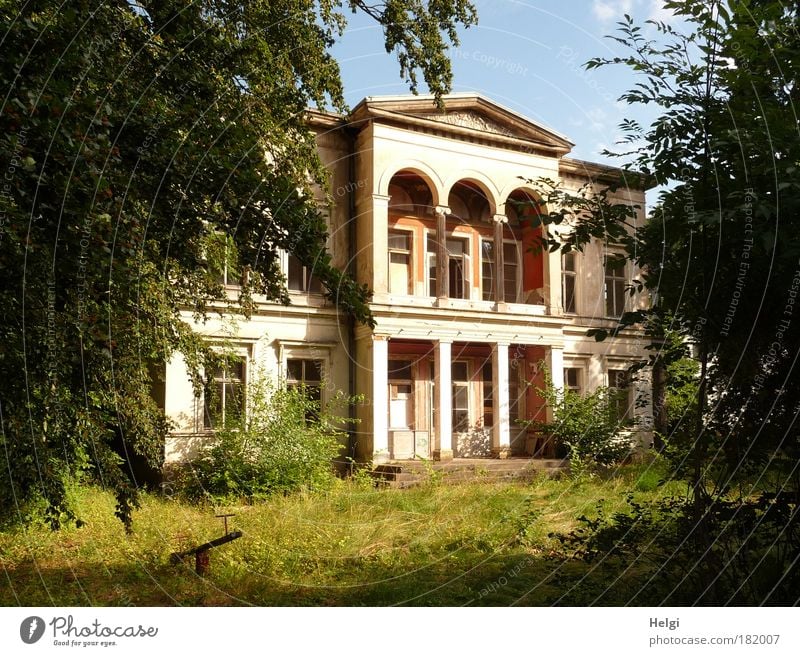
(477, 543)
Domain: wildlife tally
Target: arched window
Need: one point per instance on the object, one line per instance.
(468, 203)
(410, 194)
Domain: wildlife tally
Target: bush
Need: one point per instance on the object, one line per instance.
(287, 441)
(586, 426)
(741, 551)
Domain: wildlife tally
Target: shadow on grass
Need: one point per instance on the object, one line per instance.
(457, 580)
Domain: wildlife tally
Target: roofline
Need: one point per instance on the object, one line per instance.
(606, 173)
(330, 120)
(463, 95)
(401, 109)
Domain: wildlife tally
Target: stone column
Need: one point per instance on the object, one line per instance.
(444, 400)
(555, 363)
(501, 431)
(380, 398)
(442, 278)
(499, 261)
(551, 265)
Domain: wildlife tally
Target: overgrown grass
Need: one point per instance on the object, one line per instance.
(435, 545)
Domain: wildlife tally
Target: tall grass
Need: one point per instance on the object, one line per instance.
(434, 545)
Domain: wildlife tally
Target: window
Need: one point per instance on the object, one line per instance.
(401, 395)
(224, 396)
(515, 399)
(400, 278)
(488, 396)
(615, 287)
(458, 267)
(569, 279)
(431, 250)
(510, 271)
(572, 379)
(301, 278)
(487, 270)
(223, 259)
(306, 375)
(229, 275)
(460, 375)
(619, 392)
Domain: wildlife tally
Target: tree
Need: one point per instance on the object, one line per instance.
(133, 136)
(721, 248)
(721, 253)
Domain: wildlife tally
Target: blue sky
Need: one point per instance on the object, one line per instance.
(527, 55)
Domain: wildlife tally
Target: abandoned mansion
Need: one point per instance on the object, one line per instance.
(431, 210)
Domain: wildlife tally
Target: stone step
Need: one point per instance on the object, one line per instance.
(403, 474)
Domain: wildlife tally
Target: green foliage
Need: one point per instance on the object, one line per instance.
(722, 245)
(746, 563)
(720, 252)
(361, 475)
(587, 425)
(287, 442)
(433, 476)
(434, 546)
(127, 144)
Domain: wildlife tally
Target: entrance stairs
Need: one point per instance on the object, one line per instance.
(411, 473)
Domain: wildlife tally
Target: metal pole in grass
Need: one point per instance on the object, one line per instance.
(202, 557)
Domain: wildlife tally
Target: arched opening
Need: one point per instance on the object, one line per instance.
(410, 194)
(410, 212)
(521, 205)
(468, 203)
(522, 210)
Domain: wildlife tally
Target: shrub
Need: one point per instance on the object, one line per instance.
(741, 551)
(586, 426)
(287, 441)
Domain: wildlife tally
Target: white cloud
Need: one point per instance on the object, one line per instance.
(611, 10)
(659, 13)
(598, 119)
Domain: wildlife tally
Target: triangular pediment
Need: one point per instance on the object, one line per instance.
(470, 119)
(465, 115)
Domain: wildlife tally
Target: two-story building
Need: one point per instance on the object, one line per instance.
(433, 212)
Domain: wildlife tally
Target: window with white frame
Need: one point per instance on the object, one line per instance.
(401, 395)
(223, 259)
(460, 382)
(569, 282)
(511, 271)
(619, 388)
(615, 282)
(488, 395)
(458, 267)
(306, 374)
(224, 395)
(301, 278)
(430, 254)
(487, 269)
(572, 380)
(400, 262)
